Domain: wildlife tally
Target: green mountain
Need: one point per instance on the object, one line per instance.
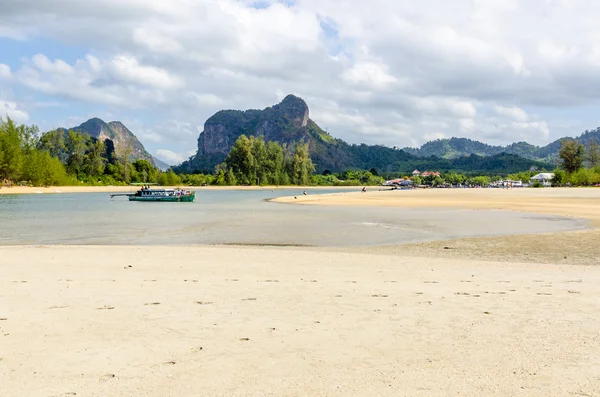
(289, 122)
(458, 147)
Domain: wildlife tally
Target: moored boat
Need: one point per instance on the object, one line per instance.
(151, 194)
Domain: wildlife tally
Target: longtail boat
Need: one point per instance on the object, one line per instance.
(146, 193)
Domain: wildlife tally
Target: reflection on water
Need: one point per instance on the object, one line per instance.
(243, 217)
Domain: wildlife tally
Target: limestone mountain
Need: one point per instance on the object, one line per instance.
(289, 122)
(121, 137)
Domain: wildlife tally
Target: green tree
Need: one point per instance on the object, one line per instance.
(230, 178)
(571, 154)
(241, 160)
(145, 170)
(54, 143)
(593, 153)
(302, 166)
(559, 177)
(41, 169)
(76, 147)
(11, 164)
(126, 152)
(94, 162)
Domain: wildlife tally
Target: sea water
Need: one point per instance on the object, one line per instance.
(245, 217)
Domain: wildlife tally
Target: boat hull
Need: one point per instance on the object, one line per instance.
(172, 199)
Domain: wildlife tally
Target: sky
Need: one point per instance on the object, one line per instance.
(397, 73)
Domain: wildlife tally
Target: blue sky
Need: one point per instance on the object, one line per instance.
(396, 73)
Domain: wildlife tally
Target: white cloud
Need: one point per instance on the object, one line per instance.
(512, 112)
(4, 71)
(121, 80)
(170, 157)
(378, 71)
(11, 109)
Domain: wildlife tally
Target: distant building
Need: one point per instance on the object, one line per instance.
(430, 173)
(545, 178)
(416, 173)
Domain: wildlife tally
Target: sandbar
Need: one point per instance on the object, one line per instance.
(568, 247)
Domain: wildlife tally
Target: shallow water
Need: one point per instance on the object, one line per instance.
(244, 217)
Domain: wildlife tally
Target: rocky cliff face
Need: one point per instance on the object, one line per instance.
(120, 135)
(287, 122)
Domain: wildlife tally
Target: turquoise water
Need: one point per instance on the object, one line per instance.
(244, 217)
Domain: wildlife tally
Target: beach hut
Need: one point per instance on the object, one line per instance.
(545, 178)
(416, 173)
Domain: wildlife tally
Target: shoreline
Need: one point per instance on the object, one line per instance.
(125, 189)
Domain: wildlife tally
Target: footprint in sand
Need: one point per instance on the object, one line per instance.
(169, 363)
(203, 303)
(543, 293)
(59, 307)
(196, 349)
(338, 296)
(3, 319)
(105, 307)
(249, 299)
(232, 279)
(379, 296)
(570, 292)
(106, 377)
(152, 304)
(244, 339)
(431, 282)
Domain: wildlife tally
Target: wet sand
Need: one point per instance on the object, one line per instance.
(566, 247)
(223, 321)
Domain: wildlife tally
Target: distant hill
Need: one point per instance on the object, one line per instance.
(120, 135)
(161, 165)
(289, 122)
(458, 147)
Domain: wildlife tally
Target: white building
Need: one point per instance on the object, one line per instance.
(545, 178)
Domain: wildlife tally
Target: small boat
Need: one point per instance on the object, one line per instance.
(150, 194)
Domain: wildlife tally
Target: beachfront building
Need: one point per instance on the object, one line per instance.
(545, 178)
(416, 173)
(425, 174)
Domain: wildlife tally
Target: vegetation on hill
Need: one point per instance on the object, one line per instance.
(459, 147)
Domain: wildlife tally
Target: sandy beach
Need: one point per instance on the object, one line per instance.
(493, 316)
(155, 321)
